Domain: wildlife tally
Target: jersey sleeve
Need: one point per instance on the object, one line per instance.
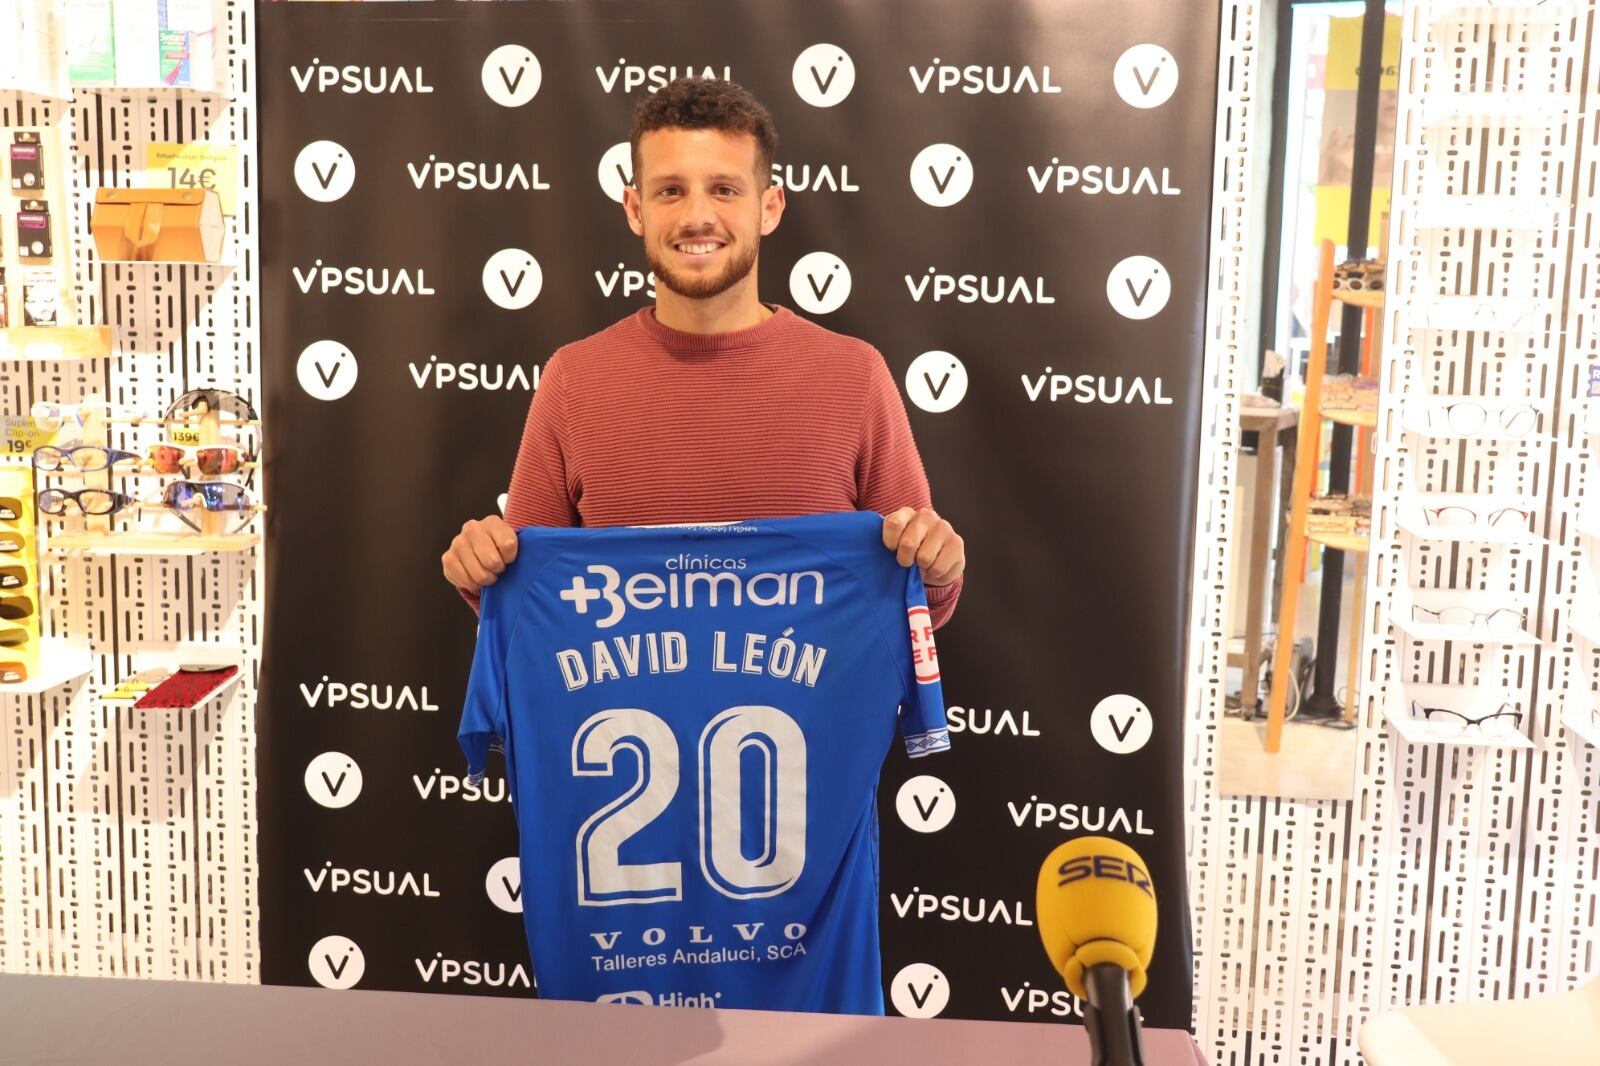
(483, 717)
(922, 721)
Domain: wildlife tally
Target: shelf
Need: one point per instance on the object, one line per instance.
(1476, 635)
(13, 85)
(1527, 12)
(1580, 719)
(1422, 731)
(1420, 527)
(1359, 298)
(1488, 212)
(1530, 109)
(1415, 421)
(1585, 624)
(1365, 418)
(150, 543)
(55, 342)
(1345, 542)
(59, 663)
(154, 90)
(171, 656)
(218, 265)
(1479, 314)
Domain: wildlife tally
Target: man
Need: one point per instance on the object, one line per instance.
(712, 406)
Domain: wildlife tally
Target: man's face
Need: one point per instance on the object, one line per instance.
(701, 208)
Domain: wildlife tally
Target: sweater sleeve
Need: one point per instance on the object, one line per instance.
(889, 472)
(539, 493)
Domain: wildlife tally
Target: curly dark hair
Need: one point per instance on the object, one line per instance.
(708, 103)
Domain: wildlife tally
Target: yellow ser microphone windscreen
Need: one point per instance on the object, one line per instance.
(1095, 905)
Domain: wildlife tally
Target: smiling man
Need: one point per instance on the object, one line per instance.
(712, 406)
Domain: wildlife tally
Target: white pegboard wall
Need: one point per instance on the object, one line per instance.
(1456, 873)
(127, 842)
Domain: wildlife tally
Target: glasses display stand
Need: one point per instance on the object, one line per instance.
(94, 535)
(1449, 729)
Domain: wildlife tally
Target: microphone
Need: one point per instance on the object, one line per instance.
(1097, 918)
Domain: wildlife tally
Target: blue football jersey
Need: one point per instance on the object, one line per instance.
(693, 720)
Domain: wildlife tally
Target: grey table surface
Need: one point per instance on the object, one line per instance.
(65, 1021)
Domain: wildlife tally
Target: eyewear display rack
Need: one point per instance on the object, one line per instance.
(1307, 458)
(142, 819)
(1456, 872)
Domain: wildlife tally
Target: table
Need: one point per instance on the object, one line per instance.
(93, 1021)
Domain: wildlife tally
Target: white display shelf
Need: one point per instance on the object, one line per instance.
(224, 266)
(1413, 519)
(155, 91)
(1414, 418)
(1578, 716)
(1418, 526)
(1478, 634)
(9, 83)
(1421, 731)
(1506, 109)
(59, 663)
(1488, 212)
(156, 542)
(37, 343)
(171, 656)
(1479, 314)
(1585, 623)
(1524, 12)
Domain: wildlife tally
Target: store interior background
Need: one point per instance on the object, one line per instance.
(1370, 864)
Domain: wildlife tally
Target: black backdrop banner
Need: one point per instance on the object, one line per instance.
(1011, 202)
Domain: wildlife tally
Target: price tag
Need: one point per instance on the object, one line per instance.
(195, 166)
(23, 435)
(183, 435)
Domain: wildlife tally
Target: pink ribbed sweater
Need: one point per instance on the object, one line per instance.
(642, 424)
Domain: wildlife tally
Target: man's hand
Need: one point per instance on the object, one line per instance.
(480, 553)
(926, 539)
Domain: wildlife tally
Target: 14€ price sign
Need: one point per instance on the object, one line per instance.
(195, 166)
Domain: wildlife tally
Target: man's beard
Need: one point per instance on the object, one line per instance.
(702, 287)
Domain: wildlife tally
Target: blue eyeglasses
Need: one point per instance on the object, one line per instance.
(84, 458)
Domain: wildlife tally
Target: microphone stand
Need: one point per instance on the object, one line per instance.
(1115, 1036)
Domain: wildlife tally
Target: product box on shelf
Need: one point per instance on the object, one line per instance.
(168, 225)
(163, 43)
(91, 42)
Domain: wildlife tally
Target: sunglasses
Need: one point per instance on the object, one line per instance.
(15, 607)
(10, 509)
(85, 458)
(12, 543)
(182, 496)
(88, 501)
(169, 458)
(218, 400)
(14, 637)
(13, 577)
(11, 673)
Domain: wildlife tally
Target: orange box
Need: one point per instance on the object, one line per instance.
(166, 225)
